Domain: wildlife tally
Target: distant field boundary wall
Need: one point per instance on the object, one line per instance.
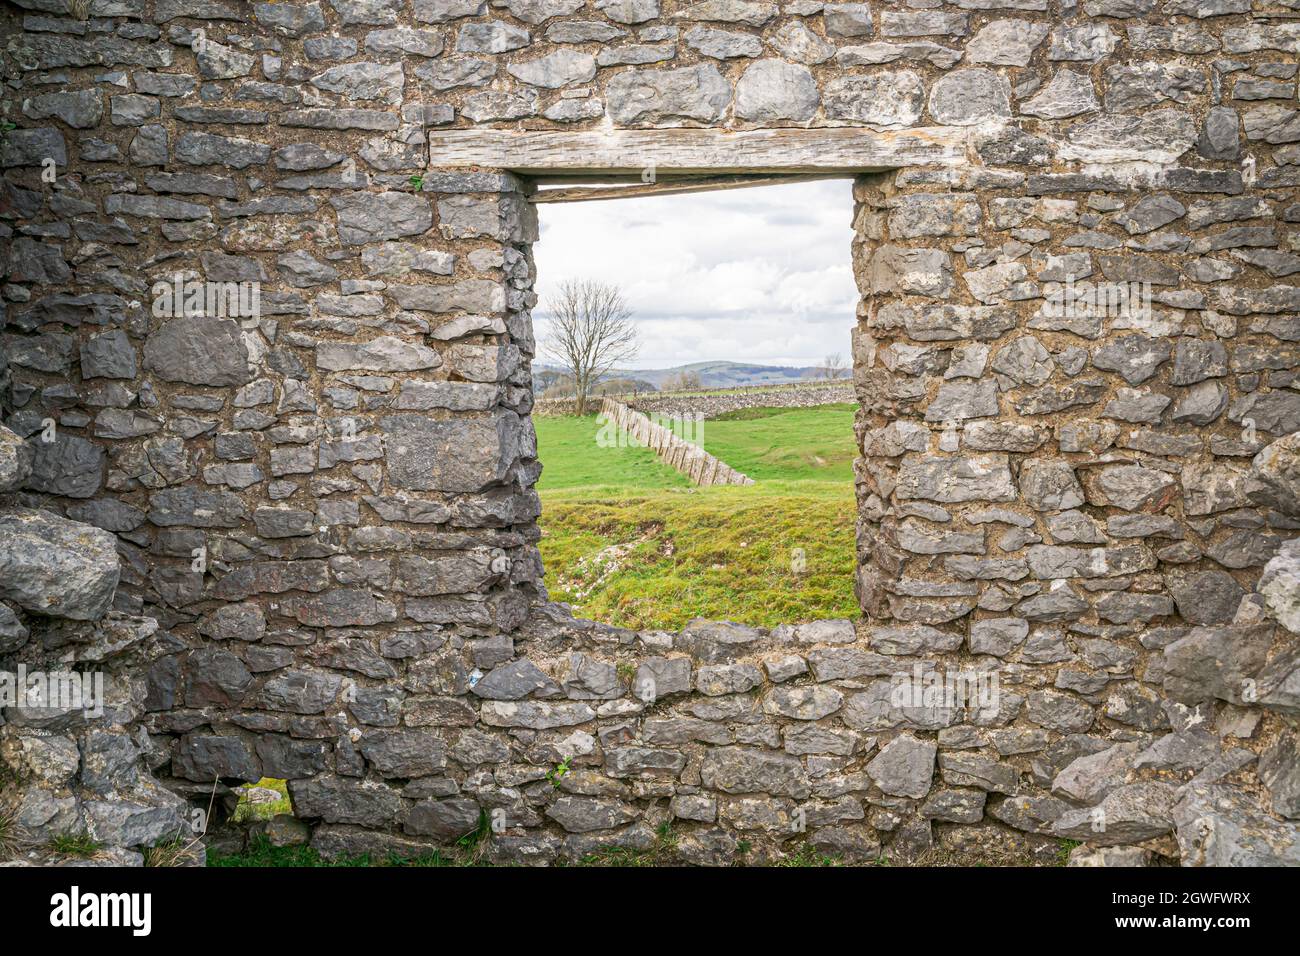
(688, 458)
(711, 403)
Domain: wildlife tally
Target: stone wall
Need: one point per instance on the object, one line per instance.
(686, 457)
(327, 505)
(711, 404)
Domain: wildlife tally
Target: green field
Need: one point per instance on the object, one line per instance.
(628, 540)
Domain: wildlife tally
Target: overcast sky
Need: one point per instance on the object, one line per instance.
(751, 275)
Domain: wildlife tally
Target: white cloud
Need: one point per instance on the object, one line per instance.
(756, 275)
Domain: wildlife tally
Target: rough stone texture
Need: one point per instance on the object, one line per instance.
(328, 506)
(54, 566)
(77, 760)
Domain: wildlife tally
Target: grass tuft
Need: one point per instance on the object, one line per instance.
(75, 844)
(12, 835)
(807, 855)
(174, 853)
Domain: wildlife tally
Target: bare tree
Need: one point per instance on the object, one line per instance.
(591, 332)
(686, 381)
(834, 366)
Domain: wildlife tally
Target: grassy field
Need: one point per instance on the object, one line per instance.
(627, 540)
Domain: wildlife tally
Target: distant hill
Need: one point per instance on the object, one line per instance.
(715, 374)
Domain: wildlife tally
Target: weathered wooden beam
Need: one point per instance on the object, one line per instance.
(776, 151)
(672, 187)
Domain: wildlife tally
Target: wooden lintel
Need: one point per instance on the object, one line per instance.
(671, 187)
(697, 151)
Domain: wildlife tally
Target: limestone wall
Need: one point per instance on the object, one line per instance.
(686, 457)
(711, 404)
(326, 502)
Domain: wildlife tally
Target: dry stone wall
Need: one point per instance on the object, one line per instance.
(319, 475)
(711, 404)
(689, 458)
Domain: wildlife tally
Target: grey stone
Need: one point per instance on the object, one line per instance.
(1219, 661)
(1279, 586)
(404, 753)
(811, 702)
(998, 636)
(772, 90)
(108, 355)
(847, 19)
(399, 41)
(741, 770)
(1279, 770)
(585, 814)
(1068, 93)
(209, 149)
(1050, 485)
(516, 680)
(1135, 357)
(57, 567)
(969, 97)
(535, 715)
(1223, 826)
(718, 679)
(198, 350)
(1127, 814)
(962, 400)
(494, 36)
(955, 806)
(1198, 359)
(1088, 778)
(448, 456)
(80, 109)
(904, 767)
(934, 214)
(1006, 42)
(668, 97)
(1184, 750)
(891, 99)
(367, 217)
(1220, 137)
(291, 20)
(723, 44)
(334, 799)
(383, 354)
(556, 69)
(1058, 711)
(794, 41)
(206, 758)
(973, 770)
(300, 691)
(359, 82)
(15, 460)
(958, 479)
(1109, 856)
(1150, 213)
